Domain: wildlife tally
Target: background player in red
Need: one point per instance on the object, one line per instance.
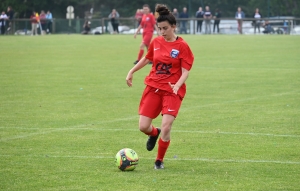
(148, 24)
(165, 85)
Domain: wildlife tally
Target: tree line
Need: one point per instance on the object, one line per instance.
(127, 8)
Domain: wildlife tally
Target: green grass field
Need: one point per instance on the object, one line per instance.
(65, 111)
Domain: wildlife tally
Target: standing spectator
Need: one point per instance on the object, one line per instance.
(184, 15)
(207, 17)
(175, 13)
(3, 19)
(256, 23)
(217, 17)
(114, 19)
(43, 22)
(49, 22)
(199, 15)
(10, 15)
(139, 15)
(240, 15)
(34, 23)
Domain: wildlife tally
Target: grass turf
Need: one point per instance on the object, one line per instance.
(66, 111)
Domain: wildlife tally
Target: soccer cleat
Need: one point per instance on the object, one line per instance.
(152, 141)
(135, 62)
(158, 165)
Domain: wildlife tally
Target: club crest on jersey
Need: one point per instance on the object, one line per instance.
(174, 53)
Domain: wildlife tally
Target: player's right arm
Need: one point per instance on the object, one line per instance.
(143, 62)
(137, 31)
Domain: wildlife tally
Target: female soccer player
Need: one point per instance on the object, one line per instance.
(165, 85)
(148, 24)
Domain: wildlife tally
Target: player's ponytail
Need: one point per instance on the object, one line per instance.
(165, 14)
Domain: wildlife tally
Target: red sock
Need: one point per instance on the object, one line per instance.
(141, 53)
(153, 132)
(162, 149)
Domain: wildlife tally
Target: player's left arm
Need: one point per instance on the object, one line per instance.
(187, 59)
(182, 79)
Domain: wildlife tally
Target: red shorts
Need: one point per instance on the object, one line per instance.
(155, 101)
(147, 38)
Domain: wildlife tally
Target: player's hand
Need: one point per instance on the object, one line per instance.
(134, 35)
(174, 88)
(129, 79)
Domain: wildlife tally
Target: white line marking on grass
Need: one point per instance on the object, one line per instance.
(30, 134)
(76, 127)
(171, 159)
(53, 130)
(238, 100)
(224, 68)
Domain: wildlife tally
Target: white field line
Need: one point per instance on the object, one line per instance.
(238, 100)
(280, 69)
(77, 127)
(170, 159)
(53, 130)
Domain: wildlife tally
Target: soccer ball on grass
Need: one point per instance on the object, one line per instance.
(126, 159)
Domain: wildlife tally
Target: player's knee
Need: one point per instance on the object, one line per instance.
(144, 127)
(166, 128)
(142, 46)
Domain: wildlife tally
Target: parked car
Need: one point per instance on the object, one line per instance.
(98, 30)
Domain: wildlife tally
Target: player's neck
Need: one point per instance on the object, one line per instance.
(172, 38)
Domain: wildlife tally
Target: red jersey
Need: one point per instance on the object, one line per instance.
(33, 19)
(168, 59)
(147, 23)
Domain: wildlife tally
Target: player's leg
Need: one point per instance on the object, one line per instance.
(150, 108)
(164, 141)
(141, 52)
(171, 106)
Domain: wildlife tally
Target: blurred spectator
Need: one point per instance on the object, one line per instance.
(240, 15)
(3, 19)
(10, 15)
(33, 24)
(49, 22)
(138, 15)
(43, 22)
(199, 15)
(257, 22)
(217, 17)
(86, 27)
(207, 17)
(183, 15)
(114, 19)
(268, 28)
(175, 13)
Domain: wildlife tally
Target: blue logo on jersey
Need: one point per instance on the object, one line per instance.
(174, 53)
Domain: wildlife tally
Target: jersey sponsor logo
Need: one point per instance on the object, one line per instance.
(174, 53)
(156, 49)
(162, 68)
(147, 18)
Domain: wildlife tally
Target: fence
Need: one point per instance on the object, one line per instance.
(282, 25)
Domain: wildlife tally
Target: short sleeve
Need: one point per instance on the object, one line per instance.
(187, 57)
(150, 52)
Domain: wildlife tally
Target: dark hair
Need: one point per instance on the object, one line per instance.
(146, 5)
(165, 14)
